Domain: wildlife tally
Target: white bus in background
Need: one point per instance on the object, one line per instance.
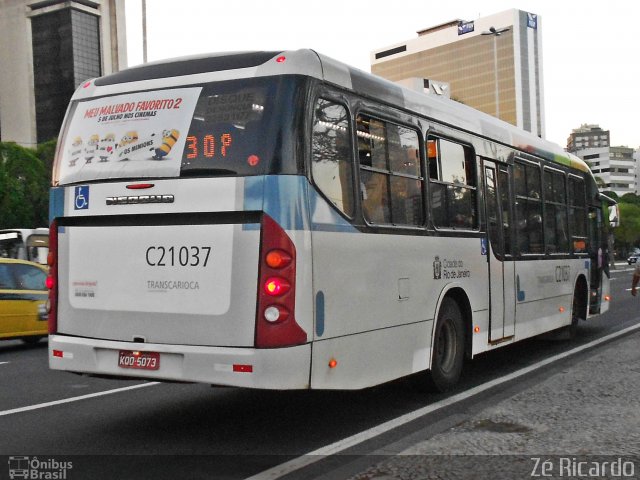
(280, 220)
(25, 244)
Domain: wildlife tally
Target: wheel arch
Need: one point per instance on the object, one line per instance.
(582, 286)
(458, 294)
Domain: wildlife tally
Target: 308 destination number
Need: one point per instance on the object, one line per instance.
(181, 256)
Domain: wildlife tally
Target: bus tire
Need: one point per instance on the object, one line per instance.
(578, 309)
(448, 347)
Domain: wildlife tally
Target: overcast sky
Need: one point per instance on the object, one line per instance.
(591, 50)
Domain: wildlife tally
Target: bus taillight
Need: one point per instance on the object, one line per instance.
(52, 278)
(276, 286)
(277, 259)
(275, 320)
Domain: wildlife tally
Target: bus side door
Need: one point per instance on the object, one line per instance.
(499, 254)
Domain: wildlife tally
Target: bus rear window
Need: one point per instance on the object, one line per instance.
(223, 128)
(230, 131)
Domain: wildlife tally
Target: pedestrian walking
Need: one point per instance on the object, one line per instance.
(636, 279)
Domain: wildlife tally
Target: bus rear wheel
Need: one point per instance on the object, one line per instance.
(448, 348)
(578, 309)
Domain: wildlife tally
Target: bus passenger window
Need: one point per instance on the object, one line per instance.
(331, 164)
(432, 159)
(390, 172)
(375, 197)
(529, 227)
(453, 184)
(577, 214)
(556, 229)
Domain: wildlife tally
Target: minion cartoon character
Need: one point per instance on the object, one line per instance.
(127, 140)
(169, 139)
(106, 147)
(91, 147)
(75, 152)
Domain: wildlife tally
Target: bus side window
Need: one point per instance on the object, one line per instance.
(331, 159)
(390, 172)
(556, 230)
(528, 189)
(577, 214)
(452, 184)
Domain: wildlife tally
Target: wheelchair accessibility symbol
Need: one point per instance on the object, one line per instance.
(81, 198)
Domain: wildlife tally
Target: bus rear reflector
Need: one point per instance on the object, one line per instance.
(243, 368)
(62, 354)
(277, 290)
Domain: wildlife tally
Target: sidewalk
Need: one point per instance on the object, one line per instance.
(589, 409)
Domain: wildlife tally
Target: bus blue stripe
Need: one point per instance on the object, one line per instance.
(284, 198)
(56, 203)
(285, 201)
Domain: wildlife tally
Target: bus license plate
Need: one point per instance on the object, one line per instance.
(139, 360)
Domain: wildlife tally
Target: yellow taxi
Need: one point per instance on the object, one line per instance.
(23, 295)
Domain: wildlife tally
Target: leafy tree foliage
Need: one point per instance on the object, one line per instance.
(627, 235)
(46, 152)
(24, 186)
(630, 198)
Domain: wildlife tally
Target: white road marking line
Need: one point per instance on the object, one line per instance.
(4, 363)
(341, 445)
(74, 399)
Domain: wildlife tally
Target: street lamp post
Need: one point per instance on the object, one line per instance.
(495, 34)
(144, 31)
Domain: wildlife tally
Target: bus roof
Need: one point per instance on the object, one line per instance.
(231, 65)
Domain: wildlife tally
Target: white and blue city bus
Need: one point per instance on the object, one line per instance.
(30, 244)
(280, 220)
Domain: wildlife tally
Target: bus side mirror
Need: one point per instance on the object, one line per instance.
(614, 216)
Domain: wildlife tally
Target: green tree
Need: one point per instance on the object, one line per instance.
(46, 152)
(627, 235)
(24, 188)
(631, 198)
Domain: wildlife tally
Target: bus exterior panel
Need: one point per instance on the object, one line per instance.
(283, 368)
(544, 294)
(175, 280)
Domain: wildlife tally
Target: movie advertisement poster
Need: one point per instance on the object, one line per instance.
(128, 136)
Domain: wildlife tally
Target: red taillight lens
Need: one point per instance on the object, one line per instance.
(52, 278)
(275, 286)
(276, 325)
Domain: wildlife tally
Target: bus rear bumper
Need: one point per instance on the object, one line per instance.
(278, 368)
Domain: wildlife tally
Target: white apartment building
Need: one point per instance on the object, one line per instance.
(615, 166)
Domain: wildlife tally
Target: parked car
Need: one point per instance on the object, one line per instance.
(633, 259)
(23, 295)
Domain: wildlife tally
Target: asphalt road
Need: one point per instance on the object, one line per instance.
(198, 431)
